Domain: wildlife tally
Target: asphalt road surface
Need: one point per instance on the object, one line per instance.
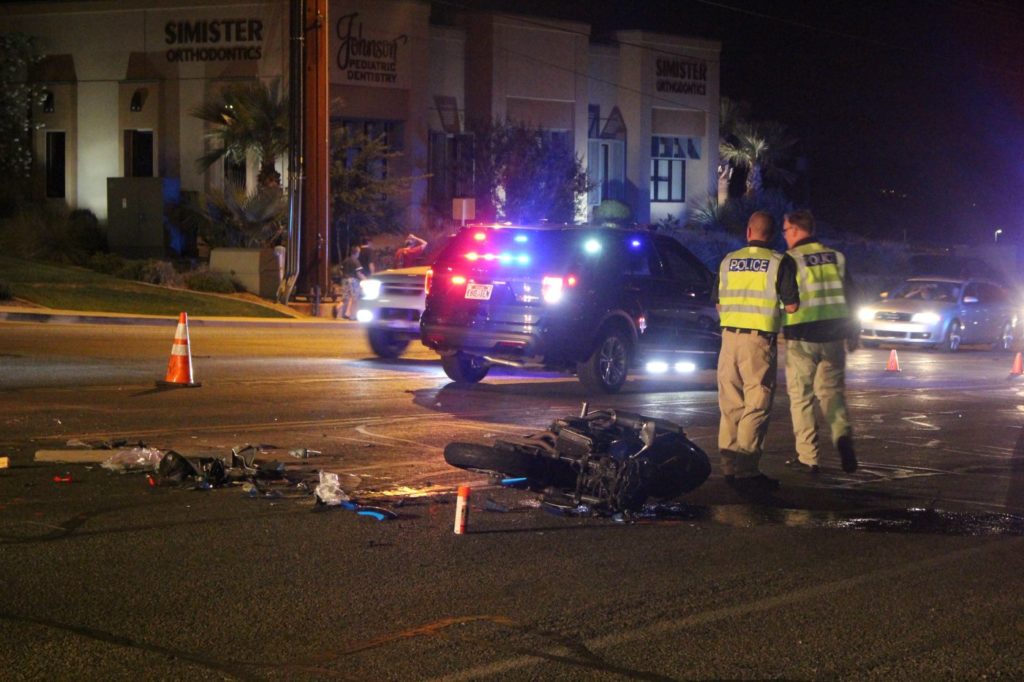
(906, 569)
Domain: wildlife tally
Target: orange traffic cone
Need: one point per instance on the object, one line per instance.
(894, 362)
(179, 369)
(1018, 366)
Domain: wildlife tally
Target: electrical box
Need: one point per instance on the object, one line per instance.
(137, 217)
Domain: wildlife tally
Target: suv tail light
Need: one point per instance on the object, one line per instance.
(552, 288)
(428, 279)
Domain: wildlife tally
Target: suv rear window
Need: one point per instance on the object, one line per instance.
(529, 252)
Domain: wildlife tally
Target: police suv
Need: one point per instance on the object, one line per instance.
(594, 301)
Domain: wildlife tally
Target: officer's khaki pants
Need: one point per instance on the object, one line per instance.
(816, 370)
(747, 370)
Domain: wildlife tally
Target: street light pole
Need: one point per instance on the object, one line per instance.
(995, 236)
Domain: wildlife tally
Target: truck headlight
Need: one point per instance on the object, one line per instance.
(925, 318)
(866, 314)
(370, 289)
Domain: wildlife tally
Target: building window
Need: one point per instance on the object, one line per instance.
(668, 166)
(49, 105)
(390, 131)
(450, 169)
(138, 153)
(55, 166)
(606, 169)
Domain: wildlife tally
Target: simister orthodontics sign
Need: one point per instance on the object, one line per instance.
(680, 75)
(214, 40)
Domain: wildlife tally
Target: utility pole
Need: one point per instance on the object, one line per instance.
(296, 54)
(315, 243)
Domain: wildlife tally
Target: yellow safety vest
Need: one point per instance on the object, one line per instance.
(748, 289)
(819, 274)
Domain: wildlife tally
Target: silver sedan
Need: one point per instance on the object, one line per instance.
(943, 313)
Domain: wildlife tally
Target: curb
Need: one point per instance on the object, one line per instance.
(71, 317)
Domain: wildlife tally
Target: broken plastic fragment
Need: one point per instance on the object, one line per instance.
(377, 513)
(329, 491)
(134, 459)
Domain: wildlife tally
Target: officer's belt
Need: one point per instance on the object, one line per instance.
(763, 334)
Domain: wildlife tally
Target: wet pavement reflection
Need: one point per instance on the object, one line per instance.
(911, 520)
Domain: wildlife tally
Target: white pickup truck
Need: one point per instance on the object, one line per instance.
(390, 305)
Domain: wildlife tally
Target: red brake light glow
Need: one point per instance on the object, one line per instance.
(479, 236)
(458, 279)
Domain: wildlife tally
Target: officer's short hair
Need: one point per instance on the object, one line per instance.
(803, 219)
(763, 222)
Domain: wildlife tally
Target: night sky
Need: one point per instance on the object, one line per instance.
(908, 112)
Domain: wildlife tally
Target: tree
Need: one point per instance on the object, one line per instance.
(363, 192)
(239, 219)
(525, 175)
(759, 149)
(17, 54)
(732, 115)
(247, 117)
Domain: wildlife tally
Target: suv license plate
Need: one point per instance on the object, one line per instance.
(479, 292)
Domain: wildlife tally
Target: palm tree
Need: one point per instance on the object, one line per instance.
(247, 117)
(732, 115)
(758, 148)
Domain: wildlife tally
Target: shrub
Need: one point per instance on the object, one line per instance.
(158, 272)
(84, 232)
(212, 282)
(6, 293)
(613, 212)
(707, 245)
(107, 264)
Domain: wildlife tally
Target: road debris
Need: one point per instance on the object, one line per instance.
(329, 492)
(133, 459)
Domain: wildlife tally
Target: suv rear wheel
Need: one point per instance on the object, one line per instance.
(606, 368)
(463, 368)
(386, 344)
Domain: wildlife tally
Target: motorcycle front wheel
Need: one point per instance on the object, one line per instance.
(486, 459)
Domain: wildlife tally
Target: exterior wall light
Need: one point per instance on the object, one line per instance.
(138, 100)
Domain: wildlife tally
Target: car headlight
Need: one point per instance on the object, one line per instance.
(925, 318)
(370, 288)
(866, 314)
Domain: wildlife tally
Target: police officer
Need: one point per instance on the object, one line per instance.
(818, 336)
(751, 282)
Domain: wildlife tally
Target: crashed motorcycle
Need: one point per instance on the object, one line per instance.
(606, 460)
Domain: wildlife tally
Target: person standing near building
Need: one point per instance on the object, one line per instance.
(411, 251)
(367, 258)
(818, 336)
(351, 273)
(751, 283)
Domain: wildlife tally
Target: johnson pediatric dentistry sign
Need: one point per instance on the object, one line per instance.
(369, 50)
